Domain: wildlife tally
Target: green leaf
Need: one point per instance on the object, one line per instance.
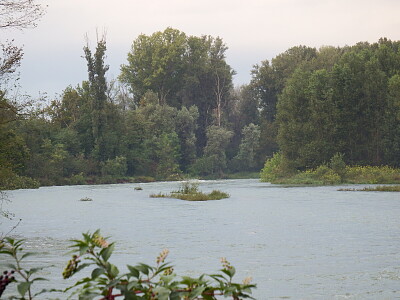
(11, 266)
(83, 249)
(106, 253)
(39, 279)
(175, 296)
(143, 268)
(197, 292)
(133, 271)
(230, 272)
(28, 254)
(113, 283)
(162, 293)
(113, 270)
(166, 279)
(23, 287)
(6, 252)
(34, 270)
(97, 272)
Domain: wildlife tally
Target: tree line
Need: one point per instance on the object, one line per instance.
(174, 110)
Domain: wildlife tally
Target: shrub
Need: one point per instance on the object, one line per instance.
(275, 168)
(338, 165)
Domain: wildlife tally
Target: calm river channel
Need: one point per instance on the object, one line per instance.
(296, 242)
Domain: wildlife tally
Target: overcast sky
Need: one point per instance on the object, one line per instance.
(254, 30)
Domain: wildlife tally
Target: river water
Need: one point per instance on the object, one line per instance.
(296, 242)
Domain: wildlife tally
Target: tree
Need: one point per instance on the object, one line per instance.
(156, 63)
(214, 160)
(20, 14)
(248, 147)
(183, 71)
(186, 124)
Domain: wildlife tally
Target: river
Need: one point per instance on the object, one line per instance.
(296, 242)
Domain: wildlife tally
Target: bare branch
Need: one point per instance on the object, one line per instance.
(19, 14)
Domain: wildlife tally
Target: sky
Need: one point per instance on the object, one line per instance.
(253, 30)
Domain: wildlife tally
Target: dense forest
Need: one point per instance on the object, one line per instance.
(174, 110)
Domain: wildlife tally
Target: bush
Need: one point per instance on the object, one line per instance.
(338, 165)
(276, 168)
(372, 175)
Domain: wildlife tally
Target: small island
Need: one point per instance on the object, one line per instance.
(189, 191)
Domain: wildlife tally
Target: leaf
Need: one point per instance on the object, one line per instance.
(106, 253)
(28, 254)
(6, 252)
(230, 272)
(97, 272)
(113, 270)
(83, 249)
(133, 271)
(23, 287)
(162, 293)
(113, 283)
(11, 266)
(143, 268)
(82, 266)
(39, 279)
(197, 292)
(34, 270)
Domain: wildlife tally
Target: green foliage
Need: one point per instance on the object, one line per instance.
(141, 281)
(372, 174)
(275, 168)
(214, 159)
(335, 173)
(338, 165)
(343, 101)
(12, 181)
(24, 278)
(380, 188)
(246, 158)
(115, 167)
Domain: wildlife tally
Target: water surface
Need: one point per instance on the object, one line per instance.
(296, 242)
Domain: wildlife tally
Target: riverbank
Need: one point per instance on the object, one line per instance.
(324, 175)
(21, 182)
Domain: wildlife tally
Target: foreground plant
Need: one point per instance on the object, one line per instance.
(105, 282)
(144, 281)
(17, 273)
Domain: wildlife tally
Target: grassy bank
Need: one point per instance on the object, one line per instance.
(380, 188)
(278, 170)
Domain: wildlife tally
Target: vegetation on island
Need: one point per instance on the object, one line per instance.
(105, 281)
(190, 191)
(379, 188)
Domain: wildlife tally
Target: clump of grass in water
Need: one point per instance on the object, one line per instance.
(189, 191)
(86, 199)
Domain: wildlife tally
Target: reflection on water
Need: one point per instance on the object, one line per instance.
(296, 242)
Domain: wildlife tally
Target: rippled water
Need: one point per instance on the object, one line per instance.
(296, 242)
